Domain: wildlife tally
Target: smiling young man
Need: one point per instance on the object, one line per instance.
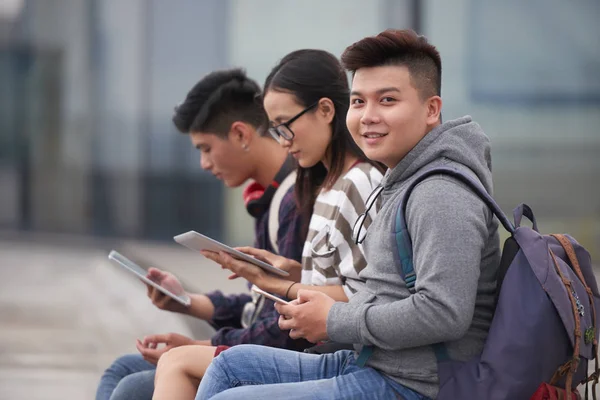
(398, 329)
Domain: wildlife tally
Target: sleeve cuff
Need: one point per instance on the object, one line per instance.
(342, 323)
(215, 297)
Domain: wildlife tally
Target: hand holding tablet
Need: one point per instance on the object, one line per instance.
(143, 275)
(196, 241)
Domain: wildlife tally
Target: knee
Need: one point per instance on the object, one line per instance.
(135, 386)
(176, 359)
(235, 356)
(122, 366)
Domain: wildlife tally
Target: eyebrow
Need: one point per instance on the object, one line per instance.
(279, 120)
(378, 91)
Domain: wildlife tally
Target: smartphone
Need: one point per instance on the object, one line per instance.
(268, 295)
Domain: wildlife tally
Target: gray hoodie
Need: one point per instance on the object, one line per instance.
(456, 254)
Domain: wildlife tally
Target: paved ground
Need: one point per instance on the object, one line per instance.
(66, 312)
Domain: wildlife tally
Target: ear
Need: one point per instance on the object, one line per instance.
(326, 109)
(241, 133)
(434, 108)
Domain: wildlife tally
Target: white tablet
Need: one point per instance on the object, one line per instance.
(142, 274)
(195, 241)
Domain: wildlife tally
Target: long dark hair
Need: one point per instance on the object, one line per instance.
(311, 75)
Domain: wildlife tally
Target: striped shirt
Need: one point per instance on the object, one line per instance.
(330, 256)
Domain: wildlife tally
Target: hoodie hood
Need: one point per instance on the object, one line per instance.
(461, 141)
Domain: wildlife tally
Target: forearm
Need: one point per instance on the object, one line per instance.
(336, 292)
(412, 322)
(201, 307)
(289, 289)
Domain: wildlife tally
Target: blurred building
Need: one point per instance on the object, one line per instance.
(88, 87)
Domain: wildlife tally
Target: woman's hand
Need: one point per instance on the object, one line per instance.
(251, 272)
(293, 267)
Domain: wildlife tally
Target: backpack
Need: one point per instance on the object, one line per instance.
(544, 327)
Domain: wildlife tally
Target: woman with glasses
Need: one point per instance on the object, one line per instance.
(306, 97)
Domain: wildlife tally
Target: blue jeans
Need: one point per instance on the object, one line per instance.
(129, 377)
(257, 372)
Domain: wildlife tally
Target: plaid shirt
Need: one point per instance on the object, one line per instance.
(228, 309)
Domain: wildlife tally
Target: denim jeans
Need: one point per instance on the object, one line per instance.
(129, 377)
(256, 372)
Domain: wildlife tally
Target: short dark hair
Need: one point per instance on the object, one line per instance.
(217, 101)
(399, 47)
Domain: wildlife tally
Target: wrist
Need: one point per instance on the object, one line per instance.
(280, 287)
(201, 307)
(287, 292)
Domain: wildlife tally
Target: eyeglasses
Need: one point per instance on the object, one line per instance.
(359, 232)
(283, 130)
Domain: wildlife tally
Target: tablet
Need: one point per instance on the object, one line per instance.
(141, 273)
(195, 241)
(268, 295)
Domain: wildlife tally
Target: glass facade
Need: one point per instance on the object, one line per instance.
(88, 88)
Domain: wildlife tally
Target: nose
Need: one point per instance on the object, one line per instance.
(205, 163)
(370, 114)
(285, 143)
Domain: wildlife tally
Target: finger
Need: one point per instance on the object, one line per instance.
(296, 334)
(160, 338)
(286, 324)
(155, 295)
(144, 352)
(233, 276)
(149, 290)
(163, 301)
(155, 275)
(234, 264)
(139, 346)
(154, 272)
(151, 353)
(288, 310)
(260, 254)
(304, 295)
(211, 255)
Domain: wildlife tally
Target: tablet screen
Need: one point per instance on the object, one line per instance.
(141, 273)
(196, 241)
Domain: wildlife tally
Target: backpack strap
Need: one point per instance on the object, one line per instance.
(275, 206)
(570, 367)
(404, 243)
(403, 240)
(570, 252)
